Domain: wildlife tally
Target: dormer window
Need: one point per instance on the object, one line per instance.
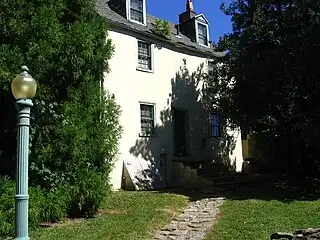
(195, 27)
(136, 11)
(202, 30)
(202, 34)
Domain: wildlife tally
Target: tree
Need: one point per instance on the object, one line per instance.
(273, 47)
(75, 127)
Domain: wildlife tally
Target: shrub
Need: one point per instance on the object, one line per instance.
(6, 226)
(56, 205)
(7, 213)
(75, 125)
(43, 206)
(162, 28)
(83, 139)
(88, 193)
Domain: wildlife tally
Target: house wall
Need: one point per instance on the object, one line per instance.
(168, 85)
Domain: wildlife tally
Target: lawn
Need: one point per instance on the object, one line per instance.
(125, 215)
(258, 219)
(255, 212)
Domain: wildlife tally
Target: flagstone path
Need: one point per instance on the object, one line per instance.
(194, 222)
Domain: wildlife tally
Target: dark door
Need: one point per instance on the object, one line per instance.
(179, 125)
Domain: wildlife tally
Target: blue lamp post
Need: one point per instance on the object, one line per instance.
(23, 88)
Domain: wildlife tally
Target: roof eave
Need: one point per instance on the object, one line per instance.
(161, 39)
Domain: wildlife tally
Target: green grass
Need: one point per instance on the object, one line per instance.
(125, 215)
(257, 219)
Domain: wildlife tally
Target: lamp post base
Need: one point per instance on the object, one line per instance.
(22, 238)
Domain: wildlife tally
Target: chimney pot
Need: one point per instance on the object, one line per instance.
(189, 6)
(188, 14)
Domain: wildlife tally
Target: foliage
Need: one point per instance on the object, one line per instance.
(162, 28)
(88, 194)
(84, 139)
(44, 206)
(7, 213)
(56, 204)
(271, 58)
(272, 49)
(217, 92)
(75, 127)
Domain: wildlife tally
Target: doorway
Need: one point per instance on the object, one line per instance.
(180, 120)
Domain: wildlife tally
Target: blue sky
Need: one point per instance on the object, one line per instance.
(170, 10)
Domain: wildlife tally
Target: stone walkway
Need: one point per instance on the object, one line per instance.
(194, 222)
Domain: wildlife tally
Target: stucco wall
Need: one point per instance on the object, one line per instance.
(167, 85)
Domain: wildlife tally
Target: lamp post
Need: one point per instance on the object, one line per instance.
(23, 88)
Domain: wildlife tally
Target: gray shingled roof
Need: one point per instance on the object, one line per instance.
(180, 41)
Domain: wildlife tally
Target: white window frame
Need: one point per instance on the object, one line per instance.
(152, 57)
(197, 33)
(144, 13)
(154, 119)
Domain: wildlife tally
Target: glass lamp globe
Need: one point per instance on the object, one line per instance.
(24, 86)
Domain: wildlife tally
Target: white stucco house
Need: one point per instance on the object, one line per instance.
(154, 79)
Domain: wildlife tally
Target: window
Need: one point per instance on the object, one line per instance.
(202, 34)
(137, 11)
(211, 67)
(144, 56)
(147, 119)
(215, 125)
(202, 30)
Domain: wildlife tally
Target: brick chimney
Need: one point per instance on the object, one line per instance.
(187, 21)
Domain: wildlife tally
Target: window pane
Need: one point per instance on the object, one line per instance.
(215, 119)
(136, 15)
(202, 29)
(144, 62)
(210, 67)
(203, 40)
(137, 5)
(215, 125)
(147, 119)
(144, 48)
(144, 55)
(202, 34)
(146, 127)
(215, 131)
(200, 19)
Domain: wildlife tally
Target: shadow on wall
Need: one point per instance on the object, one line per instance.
(194, 145)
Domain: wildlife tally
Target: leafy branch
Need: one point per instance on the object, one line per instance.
(162, 28)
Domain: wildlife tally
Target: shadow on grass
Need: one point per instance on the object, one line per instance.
(260, 187)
